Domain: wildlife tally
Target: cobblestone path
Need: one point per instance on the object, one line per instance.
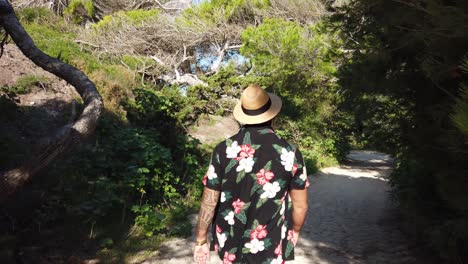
(351, 219)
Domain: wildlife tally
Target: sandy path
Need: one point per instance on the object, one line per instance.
(350, 219)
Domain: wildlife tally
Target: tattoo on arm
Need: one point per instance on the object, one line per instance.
(209, 201)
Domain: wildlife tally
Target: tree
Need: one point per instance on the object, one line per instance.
(402, 80)
(50, 148)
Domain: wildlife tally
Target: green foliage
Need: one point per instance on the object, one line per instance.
(75, 5)
(25, 83)
(133, 17)
(35, 15)
(58, 41)
(209, 99)
(217, 12)
(283, 49)
(141, 167)
(297, 62)
(402, 82)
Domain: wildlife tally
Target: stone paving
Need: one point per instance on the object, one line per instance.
(351, 219)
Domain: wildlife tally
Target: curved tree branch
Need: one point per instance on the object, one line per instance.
(49, 148)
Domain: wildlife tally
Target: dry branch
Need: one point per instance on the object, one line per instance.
(49, 148)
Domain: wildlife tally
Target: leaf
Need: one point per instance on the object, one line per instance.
(228, 142)
(268, 166)
(280, 219)
(289, 249)
(231, 233)
(298, 181)
(143, 170)
(213, 181)
(281, 183)
(227, 195)
(242, 217)
(265, 131)
(266, 243)
(245, 250)
(240, 176)
(246, 138)
(225, 213)
(254, 188)
(261, 202)
(278, 148)
(247, 233)
(233, 250)
(231, 164)
(255, 146)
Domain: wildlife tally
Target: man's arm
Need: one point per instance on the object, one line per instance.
(299, 209)
(205, 217)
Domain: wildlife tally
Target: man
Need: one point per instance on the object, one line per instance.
(255, 196)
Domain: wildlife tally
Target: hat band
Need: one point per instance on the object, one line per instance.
(258, 111)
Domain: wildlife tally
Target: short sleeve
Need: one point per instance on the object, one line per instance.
(299, 179)
(212, 178)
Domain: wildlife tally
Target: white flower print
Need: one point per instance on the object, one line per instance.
(283, 207)
(270, 190)
(233, 150)
(211, 172)
(223, 197)
(245, 164)
(283, 232)
(278, 260)
(255, 245)
(287, 159)
(303, 176)
(221, 239)
(230, 218)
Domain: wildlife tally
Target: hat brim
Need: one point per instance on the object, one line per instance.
(269, 114)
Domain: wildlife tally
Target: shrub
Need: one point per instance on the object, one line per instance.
(115, 84)
(135, 18)
(25, 83)
(80, 10)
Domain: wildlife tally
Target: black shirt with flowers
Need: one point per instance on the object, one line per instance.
(254, 170)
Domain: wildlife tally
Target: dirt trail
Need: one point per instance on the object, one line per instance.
(351, 218)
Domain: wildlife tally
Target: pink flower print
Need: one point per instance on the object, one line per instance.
(307, 183)
(216, 247)
(228, 258)
(264, 176)
(259, 232)
(238, 204)
(291, 237)
(218, 229)
(294, 169)
(246, 152)
(279, 249)
(205, 178)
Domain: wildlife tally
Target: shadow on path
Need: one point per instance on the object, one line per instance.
(351, 218)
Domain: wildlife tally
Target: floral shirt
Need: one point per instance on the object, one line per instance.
(254, 170)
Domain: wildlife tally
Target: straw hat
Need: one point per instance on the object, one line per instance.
(256, 106)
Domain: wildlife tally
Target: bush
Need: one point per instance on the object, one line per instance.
(135, 18)
(25, 83)
(115, 84)
(80, 10)
(36, 15)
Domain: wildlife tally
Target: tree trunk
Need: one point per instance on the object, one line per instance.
(49, 148)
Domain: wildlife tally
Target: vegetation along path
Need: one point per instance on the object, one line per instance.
(351, 218)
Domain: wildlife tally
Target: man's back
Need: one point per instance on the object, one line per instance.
(254, 170)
